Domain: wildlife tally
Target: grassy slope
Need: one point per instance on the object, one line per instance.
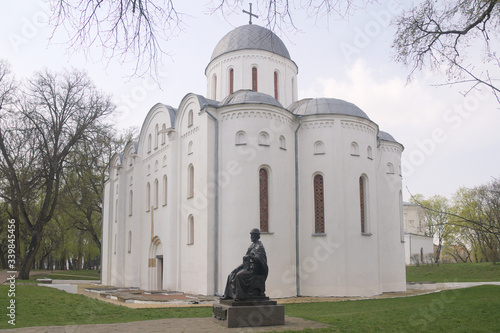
(42, 306)
(464, 310)
(454, 272)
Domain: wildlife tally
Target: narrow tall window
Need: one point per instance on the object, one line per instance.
(276, 85)
(190, 181)
(149, 143)
(129, 241)
(148, 197)
(163, 134)
(319, 205)
(401, 218)
(190, 118)
(116, 210)
(231, 81)
(165, 188)
(130, 202)
(156, 136)
(156, 193)
(254, 78)
(264, 200)
(215, 87)
(362, 203)
(190, 231)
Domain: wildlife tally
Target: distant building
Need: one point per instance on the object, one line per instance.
(317, 176)
(418, 245)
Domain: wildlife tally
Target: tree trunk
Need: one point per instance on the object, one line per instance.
(438, 251)
(29, 259)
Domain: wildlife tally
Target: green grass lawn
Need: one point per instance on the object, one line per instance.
(465, 310)
(43, 306)
(470, 272)
(62, 275)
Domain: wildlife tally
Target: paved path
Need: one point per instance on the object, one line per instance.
(176, 325)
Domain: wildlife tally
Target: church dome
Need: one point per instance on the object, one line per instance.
(386, 136)
(249, 97)
(253, 37)
(310, 106)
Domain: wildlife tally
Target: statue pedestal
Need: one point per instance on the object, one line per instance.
(252, 312)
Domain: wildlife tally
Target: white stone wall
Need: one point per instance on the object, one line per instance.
(242, 62)
(416, 245)
(239, 200)
(391, 241)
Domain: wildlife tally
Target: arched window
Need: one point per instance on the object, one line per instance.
(156, 136)
(129, 241)
(264, 199)
(156, 193)
(163, 134)
(190, 231)
(354, 149)
(116, 210)
(362, 204)
(190, 147)
(190, 181)
(401, 218)
(319, 148)
(190, 118)
(390, 168)
(148, 197)
(276, 85)
(282, 142)
(231, 81)
(319, 205)
(149, 143)
(214, 81)
(241, 138)
(263, 139)
(165, 189)
(369, 153)
(130, 202)
(254, 78)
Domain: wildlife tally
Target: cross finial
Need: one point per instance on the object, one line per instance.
(250, 14)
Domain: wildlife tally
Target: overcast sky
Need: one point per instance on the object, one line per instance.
(450, 140)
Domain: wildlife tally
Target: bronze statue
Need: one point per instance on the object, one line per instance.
(248, 279)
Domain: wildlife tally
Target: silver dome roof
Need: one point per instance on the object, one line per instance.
(386, 136)
(249, 97)
(250, 36)
(309, 106)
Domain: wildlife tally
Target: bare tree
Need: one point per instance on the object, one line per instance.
(136, 29)
(440, 34)
(279, 15)
(52, 116)
(129, 29)
(436, 218)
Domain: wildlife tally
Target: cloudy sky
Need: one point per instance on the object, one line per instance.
(450, 140)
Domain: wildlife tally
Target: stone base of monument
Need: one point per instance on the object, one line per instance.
(252, 312)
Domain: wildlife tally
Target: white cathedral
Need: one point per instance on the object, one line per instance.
(317, 176)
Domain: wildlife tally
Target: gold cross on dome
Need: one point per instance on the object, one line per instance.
(250, 14)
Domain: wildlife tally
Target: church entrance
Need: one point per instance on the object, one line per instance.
(155, 266)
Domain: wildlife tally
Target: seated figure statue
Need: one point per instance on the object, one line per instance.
(248, 279)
